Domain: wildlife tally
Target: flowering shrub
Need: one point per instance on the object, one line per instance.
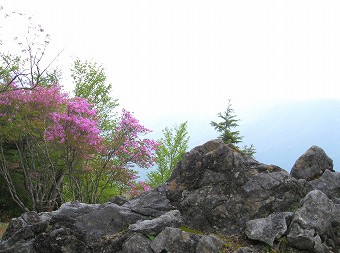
(27, 111)
(138, 188)
(123, 148)
(50, 110)
(77, 124)
(57, 127)
(126, 145)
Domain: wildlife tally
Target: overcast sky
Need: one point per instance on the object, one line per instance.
(166, 56)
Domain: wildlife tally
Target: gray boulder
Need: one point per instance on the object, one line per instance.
(108, 219)
(137, 243)
(154, 203)
(155, 226)
(26, 226)
(312, 164)
(218, 189)
(305, 239)
(317, 215)
(329, 183)
(272, 192)
(119, 200)
(270, 228)
(75, 226)
(174, 240)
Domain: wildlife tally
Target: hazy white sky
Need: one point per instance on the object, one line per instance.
(176, 55)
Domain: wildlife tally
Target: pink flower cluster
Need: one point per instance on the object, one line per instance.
(64, 118)
(145, 186)
(44, 97)
(27, 110)
(138, 188)
(127, 145)
(77, 123)
(39, 99)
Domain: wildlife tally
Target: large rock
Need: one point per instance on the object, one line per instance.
(310, 224)
(312, 164)
(271, 192)
(26, 226)
(176, 240)
(75, 227)
(154, 203)
(329, 183)
(270, 228)
(155, 226)
(218, 189)
(137, 243)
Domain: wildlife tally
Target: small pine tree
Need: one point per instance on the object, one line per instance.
(226, 126)
(227, 132)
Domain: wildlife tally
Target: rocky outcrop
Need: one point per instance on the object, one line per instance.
(312, 164)
(329, 183)
(75, 227)
(317, 215)
(217, 189)
(215, 198)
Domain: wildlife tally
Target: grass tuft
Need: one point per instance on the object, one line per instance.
(3, 227)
